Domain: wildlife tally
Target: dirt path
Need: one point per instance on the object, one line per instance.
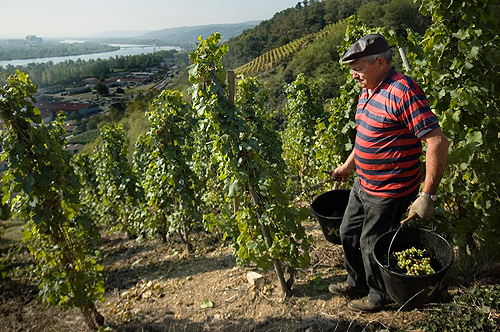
(152, 286)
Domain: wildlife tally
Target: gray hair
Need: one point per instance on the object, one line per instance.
(370, 59)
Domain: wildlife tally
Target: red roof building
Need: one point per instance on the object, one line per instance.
(50, 109)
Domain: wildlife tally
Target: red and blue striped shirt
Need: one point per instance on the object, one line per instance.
(389, 126)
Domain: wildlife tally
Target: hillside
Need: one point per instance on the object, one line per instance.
(190, 34)
(152, 286)
(312, 16)
(304, 39)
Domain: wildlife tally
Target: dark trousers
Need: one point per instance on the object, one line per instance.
(365, 219)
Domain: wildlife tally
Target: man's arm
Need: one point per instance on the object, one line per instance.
(435, 164)
(435, 159)
(343, 172)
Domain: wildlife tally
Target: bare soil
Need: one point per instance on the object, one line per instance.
(155, 286)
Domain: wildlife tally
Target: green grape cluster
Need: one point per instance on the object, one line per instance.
(415, 262)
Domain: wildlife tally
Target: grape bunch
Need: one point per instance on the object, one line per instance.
(414, 262)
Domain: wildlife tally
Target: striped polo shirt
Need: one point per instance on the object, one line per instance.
(389, 126)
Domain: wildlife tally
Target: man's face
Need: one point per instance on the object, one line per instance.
(368, 76)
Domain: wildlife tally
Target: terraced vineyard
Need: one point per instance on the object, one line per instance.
(277, 56)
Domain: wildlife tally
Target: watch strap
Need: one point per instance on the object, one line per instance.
(431, 197)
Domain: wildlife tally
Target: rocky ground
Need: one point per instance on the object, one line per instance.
(154, 286)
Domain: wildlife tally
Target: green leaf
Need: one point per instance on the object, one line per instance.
(474, 137)
(234, 188)
(207, 304)
(6, 197)
(47, 176)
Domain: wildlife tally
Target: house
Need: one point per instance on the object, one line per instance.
(52, 89)
(49, 110)
(73, 148)
(90, 81)
(78, 90)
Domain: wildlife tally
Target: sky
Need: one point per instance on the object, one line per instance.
(82, 18)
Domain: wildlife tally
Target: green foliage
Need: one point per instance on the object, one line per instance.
(101, 89)
(320, 60)
(59, 233)
(274, 57)
(304, 110)
(476, 309)
(85, 137)
(286, 27)
(265, 228)
(116, 181)
(457, 63)
(271, 59)
(335, 139)
(168, 181)
(84, 166)
(397, 15)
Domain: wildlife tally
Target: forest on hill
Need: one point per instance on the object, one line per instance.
(312, 16)
(319, 60)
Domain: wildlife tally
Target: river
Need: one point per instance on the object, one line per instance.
(123, 51)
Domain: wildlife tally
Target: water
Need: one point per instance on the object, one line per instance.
(123, 51)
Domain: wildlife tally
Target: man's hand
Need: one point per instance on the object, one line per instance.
(423, 207)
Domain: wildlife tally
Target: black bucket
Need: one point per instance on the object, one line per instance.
(329, 209)
(408, 290)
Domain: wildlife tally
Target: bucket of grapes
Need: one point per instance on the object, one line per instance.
(329, 208)
(413, 264)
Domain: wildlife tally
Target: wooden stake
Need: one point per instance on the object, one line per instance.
(231, 83)
(402, 53)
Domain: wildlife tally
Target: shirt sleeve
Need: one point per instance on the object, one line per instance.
(416, 113)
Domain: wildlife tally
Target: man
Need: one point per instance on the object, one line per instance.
(392, 118)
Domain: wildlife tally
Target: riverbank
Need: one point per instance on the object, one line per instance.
(123, 50)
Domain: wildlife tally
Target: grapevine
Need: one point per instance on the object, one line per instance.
(169, 182)
(59, 233)
(117, 183)
(304, 109)
(265, 227)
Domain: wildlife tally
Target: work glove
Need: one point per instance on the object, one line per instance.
(423, 207)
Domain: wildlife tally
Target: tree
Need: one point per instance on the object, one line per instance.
(101, 89)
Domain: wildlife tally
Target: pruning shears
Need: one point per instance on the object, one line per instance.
(329, 180)
(328, 172)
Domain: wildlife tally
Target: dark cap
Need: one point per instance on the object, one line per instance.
(367, 45)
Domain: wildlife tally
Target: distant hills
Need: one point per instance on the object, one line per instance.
(186, 34)
(191, 33)
(119, 34)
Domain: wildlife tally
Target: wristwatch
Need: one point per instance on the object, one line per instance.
(429, 196)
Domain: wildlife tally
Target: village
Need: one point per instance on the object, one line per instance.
(90, 97)
(84, 97)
